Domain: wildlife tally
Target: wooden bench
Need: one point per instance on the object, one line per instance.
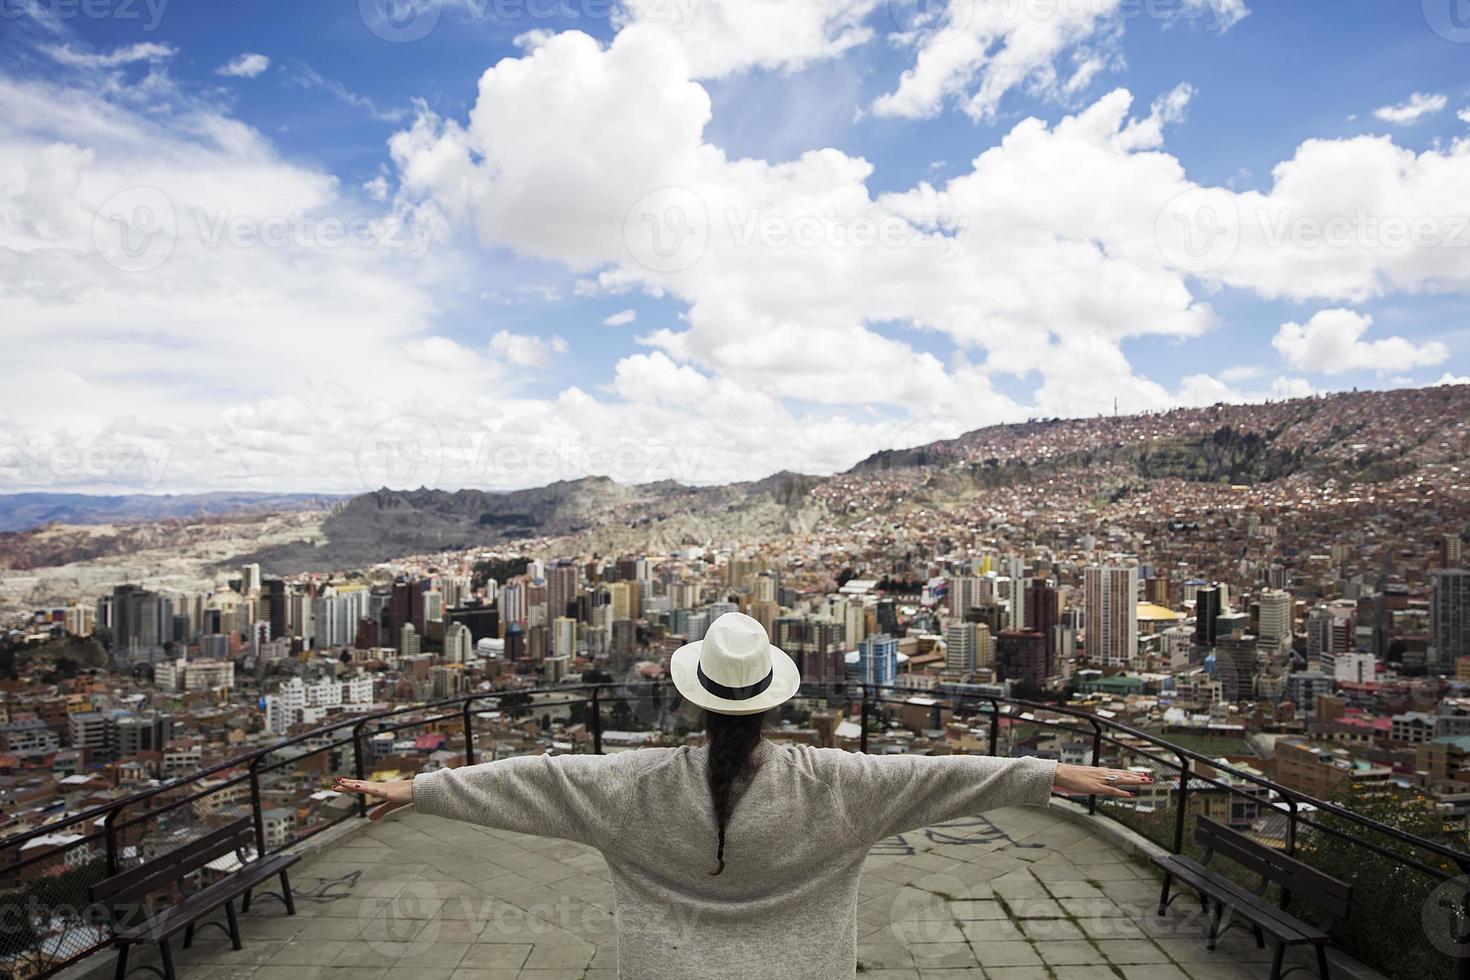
(137, 915)
(1301, 881)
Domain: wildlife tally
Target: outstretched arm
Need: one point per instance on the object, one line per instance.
(886, 795)
(576, 797)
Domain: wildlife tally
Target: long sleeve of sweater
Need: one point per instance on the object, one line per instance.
(575, 797)
(890, 794)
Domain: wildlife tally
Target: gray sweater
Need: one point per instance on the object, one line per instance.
(786, 904)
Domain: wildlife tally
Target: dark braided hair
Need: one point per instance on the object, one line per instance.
(732, 740)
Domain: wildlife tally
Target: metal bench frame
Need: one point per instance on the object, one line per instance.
(1330, 896)
(129, 892)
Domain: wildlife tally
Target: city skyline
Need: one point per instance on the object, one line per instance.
(397, 231)
(650, 432)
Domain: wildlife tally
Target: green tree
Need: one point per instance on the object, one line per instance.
(1385, 926)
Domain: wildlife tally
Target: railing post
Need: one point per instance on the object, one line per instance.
(257, 813)
(1464, 937)
(359, 765)
(863, 736)
(469, 735)
(994, 727)
(1290, 845)
(1183, 804)
(111, 840)
(1096, 761)
(596, 720)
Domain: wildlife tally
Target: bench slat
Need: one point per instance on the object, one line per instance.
(204, 901)
(1297, 877)
(1282, 925)
(123, 880)
(165, 874)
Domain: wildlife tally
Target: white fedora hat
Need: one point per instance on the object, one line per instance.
(734, 670)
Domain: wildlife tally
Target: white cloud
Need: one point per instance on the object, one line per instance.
(976, 53)
(377, 188)
(1349, 220)
(442, 354)
(525, 350)
(1213, 15)
(246, 65)
(531, 40)
(1198, 390)
(1416, 107)
(810, 309)
(620, 319)
(130, 54)
(1452, 379)
(309, 78)
(723, 37)
(1332, 343)
(156, 350)
(773, 313)
(1464, 115)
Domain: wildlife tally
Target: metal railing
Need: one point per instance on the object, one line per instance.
(46, 922)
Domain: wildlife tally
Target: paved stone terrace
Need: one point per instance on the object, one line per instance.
(1024, 894)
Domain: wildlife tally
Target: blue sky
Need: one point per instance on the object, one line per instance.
(249, 368)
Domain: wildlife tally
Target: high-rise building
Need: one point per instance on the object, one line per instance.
(963, 593)
(250, 579)
(563, 637)
(142, 621)
(1449, 615)
(273, 605)
(887, 616)
(458, 643)
(562, 583)
(513, 603)
(1023, 655)
(878, 660)
(1043, 609)
(1274, 630)
(855, 619)
(408, 641)
(816, 644)
(1209, 603)
(1236, 667)
(623, 597)
(1015, 591)
(1110, 611)
(407, 606)
(959, 642)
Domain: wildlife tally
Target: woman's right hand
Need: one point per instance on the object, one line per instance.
(1096, 781)
(397, 793)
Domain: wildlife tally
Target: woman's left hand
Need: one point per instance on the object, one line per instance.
(397, 793)
(1094, 781)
